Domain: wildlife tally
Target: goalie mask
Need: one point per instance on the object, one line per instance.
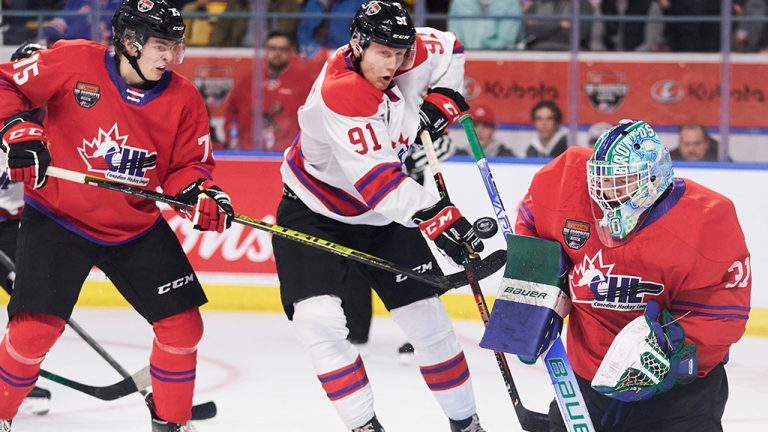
(628, 171)
(386, 23)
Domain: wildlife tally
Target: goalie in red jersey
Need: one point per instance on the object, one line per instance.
(659, 281)
(124, 115)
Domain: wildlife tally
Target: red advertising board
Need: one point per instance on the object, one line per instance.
(255, 187)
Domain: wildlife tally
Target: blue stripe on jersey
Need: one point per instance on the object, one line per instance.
(130, 94)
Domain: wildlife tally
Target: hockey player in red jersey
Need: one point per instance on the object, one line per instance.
(344, 181)
(124, 115)
(660, 281)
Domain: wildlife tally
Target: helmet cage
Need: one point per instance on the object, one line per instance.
(625, 178)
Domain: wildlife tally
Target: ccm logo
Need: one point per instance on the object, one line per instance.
(25, 132)
(439, 223)
(178, 283)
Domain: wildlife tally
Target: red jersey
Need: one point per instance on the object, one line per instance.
(99, 125)
(689, 255)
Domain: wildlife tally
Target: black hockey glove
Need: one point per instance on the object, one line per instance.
(440, 109)
(451, 232)
(212, 209)
(25, 143)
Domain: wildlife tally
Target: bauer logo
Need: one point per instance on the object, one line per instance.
(178, 283)
(595, 282)
(87, 94)
(575, 233)
(109, 155)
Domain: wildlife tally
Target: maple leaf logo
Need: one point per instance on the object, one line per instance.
(104, 147)
(593, 274)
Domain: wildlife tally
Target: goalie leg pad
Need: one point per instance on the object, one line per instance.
(173, 364)
(532, 300)
(27, 341)
(321, 328)
(439, 355)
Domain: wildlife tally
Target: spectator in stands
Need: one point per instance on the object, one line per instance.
(551, 137)
(486, 34)
(17, 30)
(315, 33)
(553, 34)
(229, 32)
(485, 126)
(632, 32)
(748, 35)
(695, 144)
(286, 25)
(694, 35)
(285, 88)
(79, 26)
(199, 29)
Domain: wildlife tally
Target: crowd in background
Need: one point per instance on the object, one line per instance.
(296, 46)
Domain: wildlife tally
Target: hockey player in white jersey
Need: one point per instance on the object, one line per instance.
(344, 181)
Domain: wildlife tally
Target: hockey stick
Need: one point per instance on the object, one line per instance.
(488, 266)
(111, 392)
(569, 397)
(199, 412)
(529, 420)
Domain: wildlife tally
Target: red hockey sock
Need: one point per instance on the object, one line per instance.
(172, 364)
(27, 341)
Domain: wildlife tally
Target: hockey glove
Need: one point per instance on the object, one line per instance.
(440, 109)
(25, 143)
(647, 358)
(451, 232)
(212, 209)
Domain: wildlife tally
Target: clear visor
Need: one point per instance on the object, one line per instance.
(409, 60)
(620, 195)
(170, 51)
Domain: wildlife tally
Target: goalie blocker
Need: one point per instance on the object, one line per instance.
(532, 300)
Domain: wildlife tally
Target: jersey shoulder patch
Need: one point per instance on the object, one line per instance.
(346, 92)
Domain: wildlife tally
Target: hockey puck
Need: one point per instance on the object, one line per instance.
(485, 227)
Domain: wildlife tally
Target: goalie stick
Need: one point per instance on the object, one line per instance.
(529, 420)
(486, 267)
(141, 380)
(574, 410)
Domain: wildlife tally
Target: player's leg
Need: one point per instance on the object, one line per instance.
(416, 308)
(311, 289)
(155, 276)
(51, 265)
(358, 309)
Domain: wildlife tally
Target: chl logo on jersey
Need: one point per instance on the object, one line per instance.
(108, 155)
(593, 282)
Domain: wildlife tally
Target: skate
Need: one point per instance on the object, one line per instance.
(37, 402)
(471, 424)
(373, 425)
(160, 425)
(5, 425)
(406, 353)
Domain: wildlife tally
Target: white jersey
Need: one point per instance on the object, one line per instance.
(346, 163)
(11, 194)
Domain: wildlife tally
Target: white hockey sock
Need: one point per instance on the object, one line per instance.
(439, 354)
(321, 327)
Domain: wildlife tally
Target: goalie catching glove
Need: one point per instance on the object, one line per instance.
(24, 141)
(451, 232)
(212, 209)
(647, 358)
(440, 109)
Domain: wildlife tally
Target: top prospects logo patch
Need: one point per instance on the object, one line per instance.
(108, 155)
(87, 94)
(575, 233)
(593, 282)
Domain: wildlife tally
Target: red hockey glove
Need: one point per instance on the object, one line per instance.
(212, 209)
(451, 232)
(25, 144)
(440, 109)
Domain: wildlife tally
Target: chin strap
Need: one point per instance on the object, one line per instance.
(134, 62)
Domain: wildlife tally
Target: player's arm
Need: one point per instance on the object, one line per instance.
(190, 172)
(31, 82)
(443, 103)
(526, 223)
